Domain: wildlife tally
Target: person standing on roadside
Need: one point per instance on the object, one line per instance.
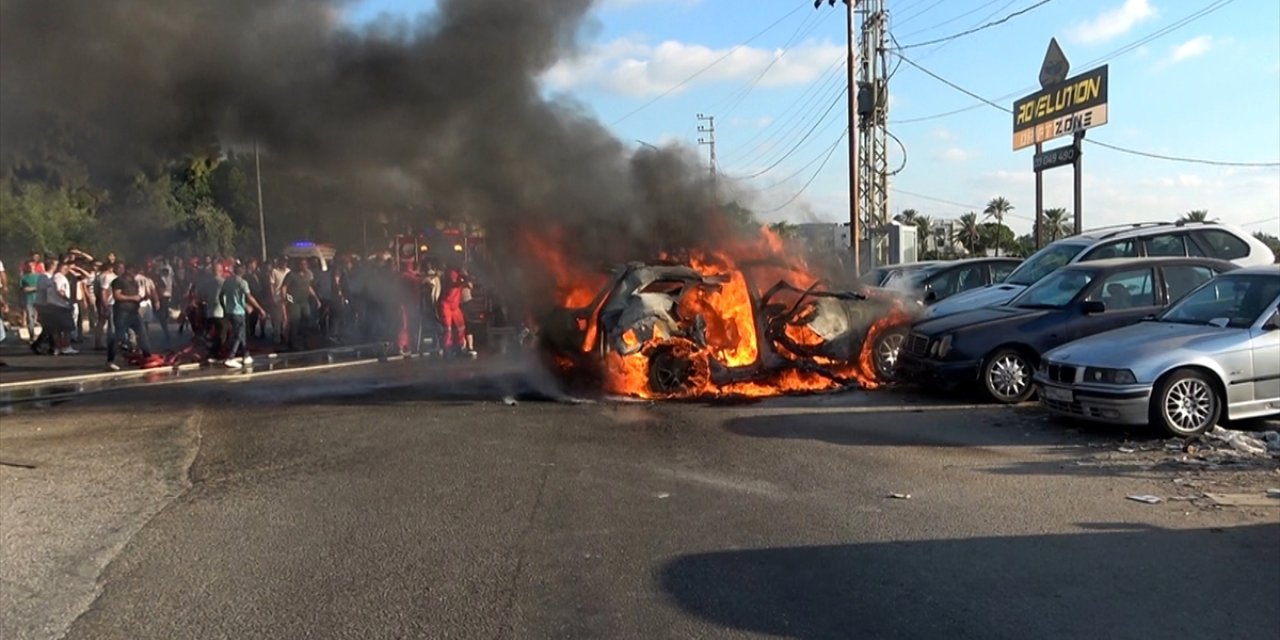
(128, 296)
(455, 332)
(27, 286)
(299, 295)
(237, 301)
(279, 315)
(106, 323)
(209, 291)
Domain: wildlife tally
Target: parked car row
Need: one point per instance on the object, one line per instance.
(1133, 338)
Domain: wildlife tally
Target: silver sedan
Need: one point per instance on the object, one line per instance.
(1214, 354)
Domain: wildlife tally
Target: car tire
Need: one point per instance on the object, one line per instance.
(884, 354)
(674, 372)
(1186, 403)
(1006, 376)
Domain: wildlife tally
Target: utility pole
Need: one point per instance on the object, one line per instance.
(855, 190)
(710, 140)
(873, 116)
(262, 221)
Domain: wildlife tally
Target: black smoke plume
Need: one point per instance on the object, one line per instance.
(442, 112)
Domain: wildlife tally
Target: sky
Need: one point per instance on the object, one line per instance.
(1207, 88)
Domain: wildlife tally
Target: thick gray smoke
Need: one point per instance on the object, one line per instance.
(443, 112)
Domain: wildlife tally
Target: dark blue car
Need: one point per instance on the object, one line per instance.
(1000, 347)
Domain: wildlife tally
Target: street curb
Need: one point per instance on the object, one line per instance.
(110, 376)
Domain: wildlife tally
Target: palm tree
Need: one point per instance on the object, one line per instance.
(924, 229)
(996, 210)
(1056, 223)
(908, 216)
(970, 229)
(1195, 215)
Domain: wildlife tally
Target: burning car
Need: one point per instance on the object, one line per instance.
(700, 329)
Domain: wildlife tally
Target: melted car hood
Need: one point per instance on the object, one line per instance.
(988, 296)
(1129, 346)
(975, 318)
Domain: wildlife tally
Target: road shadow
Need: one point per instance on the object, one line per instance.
(905, 426)
(1115, 582)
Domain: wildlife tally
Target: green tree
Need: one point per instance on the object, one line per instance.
(996, 236)
(924, 229)
(740, 217)
(1272, 243)
(971, 230)
(42, 217)
(1195, 215)
(996, 210)
(1056, 223)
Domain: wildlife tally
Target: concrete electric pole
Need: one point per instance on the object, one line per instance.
(855, 222)
(710, 140)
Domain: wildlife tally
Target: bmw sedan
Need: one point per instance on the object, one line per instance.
(1000, 347)
(1213, 355)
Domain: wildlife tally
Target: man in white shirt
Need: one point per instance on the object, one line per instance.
(54, 294)
(106, 322)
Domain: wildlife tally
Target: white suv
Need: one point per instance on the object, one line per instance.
(1208, 239)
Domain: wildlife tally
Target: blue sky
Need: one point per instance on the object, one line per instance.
(1209, 89)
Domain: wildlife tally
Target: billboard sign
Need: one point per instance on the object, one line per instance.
(1075, 104)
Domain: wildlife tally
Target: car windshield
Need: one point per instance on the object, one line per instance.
(1044, 262)
(1237, 299)
(1054, 291)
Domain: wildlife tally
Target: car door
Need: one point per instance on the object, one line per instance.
(1127, 296)
(1181, 279)
(1265, 347)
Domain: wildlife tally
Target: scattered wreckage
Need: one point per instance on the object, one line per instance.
(677, 331)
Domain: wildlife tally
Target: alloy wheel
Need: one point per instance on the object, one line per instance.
(887, 349)
(1009, 376)
(1189, 405)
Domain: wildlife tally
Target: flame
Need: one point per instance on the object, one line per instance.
(731, 326)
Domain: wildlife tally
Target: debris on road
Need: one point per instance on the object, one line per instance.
(1243, 500)
(1273, 493)
(663, 496)
(1145, 499)
(1248, 444)
(1126, 450)
(900, 496)
(510, 401)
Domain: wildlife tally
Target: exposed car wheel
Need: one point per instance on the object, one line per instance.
(1006, 375)
(885, 354)
(674, 371)
(1185, 403)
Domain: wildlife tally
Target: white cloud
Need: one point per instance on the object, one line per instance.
(1112, 23)
(751, 123)
(955, 154)
(943, 133)
(1192, 48)
(637, 69)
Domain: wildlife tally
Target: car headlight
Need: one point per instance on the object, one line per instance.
(941, 347)
(1101, 375)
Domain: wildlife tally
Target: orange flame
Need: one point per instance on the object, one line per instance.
(729, 312)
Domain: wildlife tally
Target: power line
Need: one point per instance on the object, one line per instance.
(741, 94)
(1274, 219)
(801, 142)
(978, 28)
(1148, 154)
(976, 208)
(1123, 49)
(954, 85)
(703, 70)
(799, 171)
(920, 12)
(796, 119)
(1158, 156)
(811, 178)
(949, 21)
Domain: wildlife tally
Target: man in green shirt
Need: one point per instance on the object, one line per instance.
(237, 301)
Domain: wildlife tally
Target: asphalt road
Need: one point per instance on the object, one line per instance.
(401, 502)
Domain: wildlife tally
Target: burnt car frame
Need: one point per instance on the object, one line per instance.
(641, 309)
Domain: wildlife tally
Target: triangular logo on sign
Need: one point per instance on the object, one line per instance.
(1055, 66)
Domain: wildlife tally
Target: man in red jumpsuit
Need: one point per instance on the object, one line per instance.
(455, 330)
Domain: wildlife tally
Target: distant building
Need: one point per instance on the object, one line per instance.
(946, 237)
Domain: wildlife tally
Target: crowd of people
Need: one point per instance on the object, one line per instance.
(233, 307)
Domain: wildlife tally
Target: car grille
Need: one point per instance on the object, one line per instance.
(1074, 408)
(918, 344)
(1062, 373)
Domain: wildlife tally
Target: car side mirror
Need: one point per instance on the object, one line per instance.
(1273, 323)
(929, 294)
(1092, 307)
